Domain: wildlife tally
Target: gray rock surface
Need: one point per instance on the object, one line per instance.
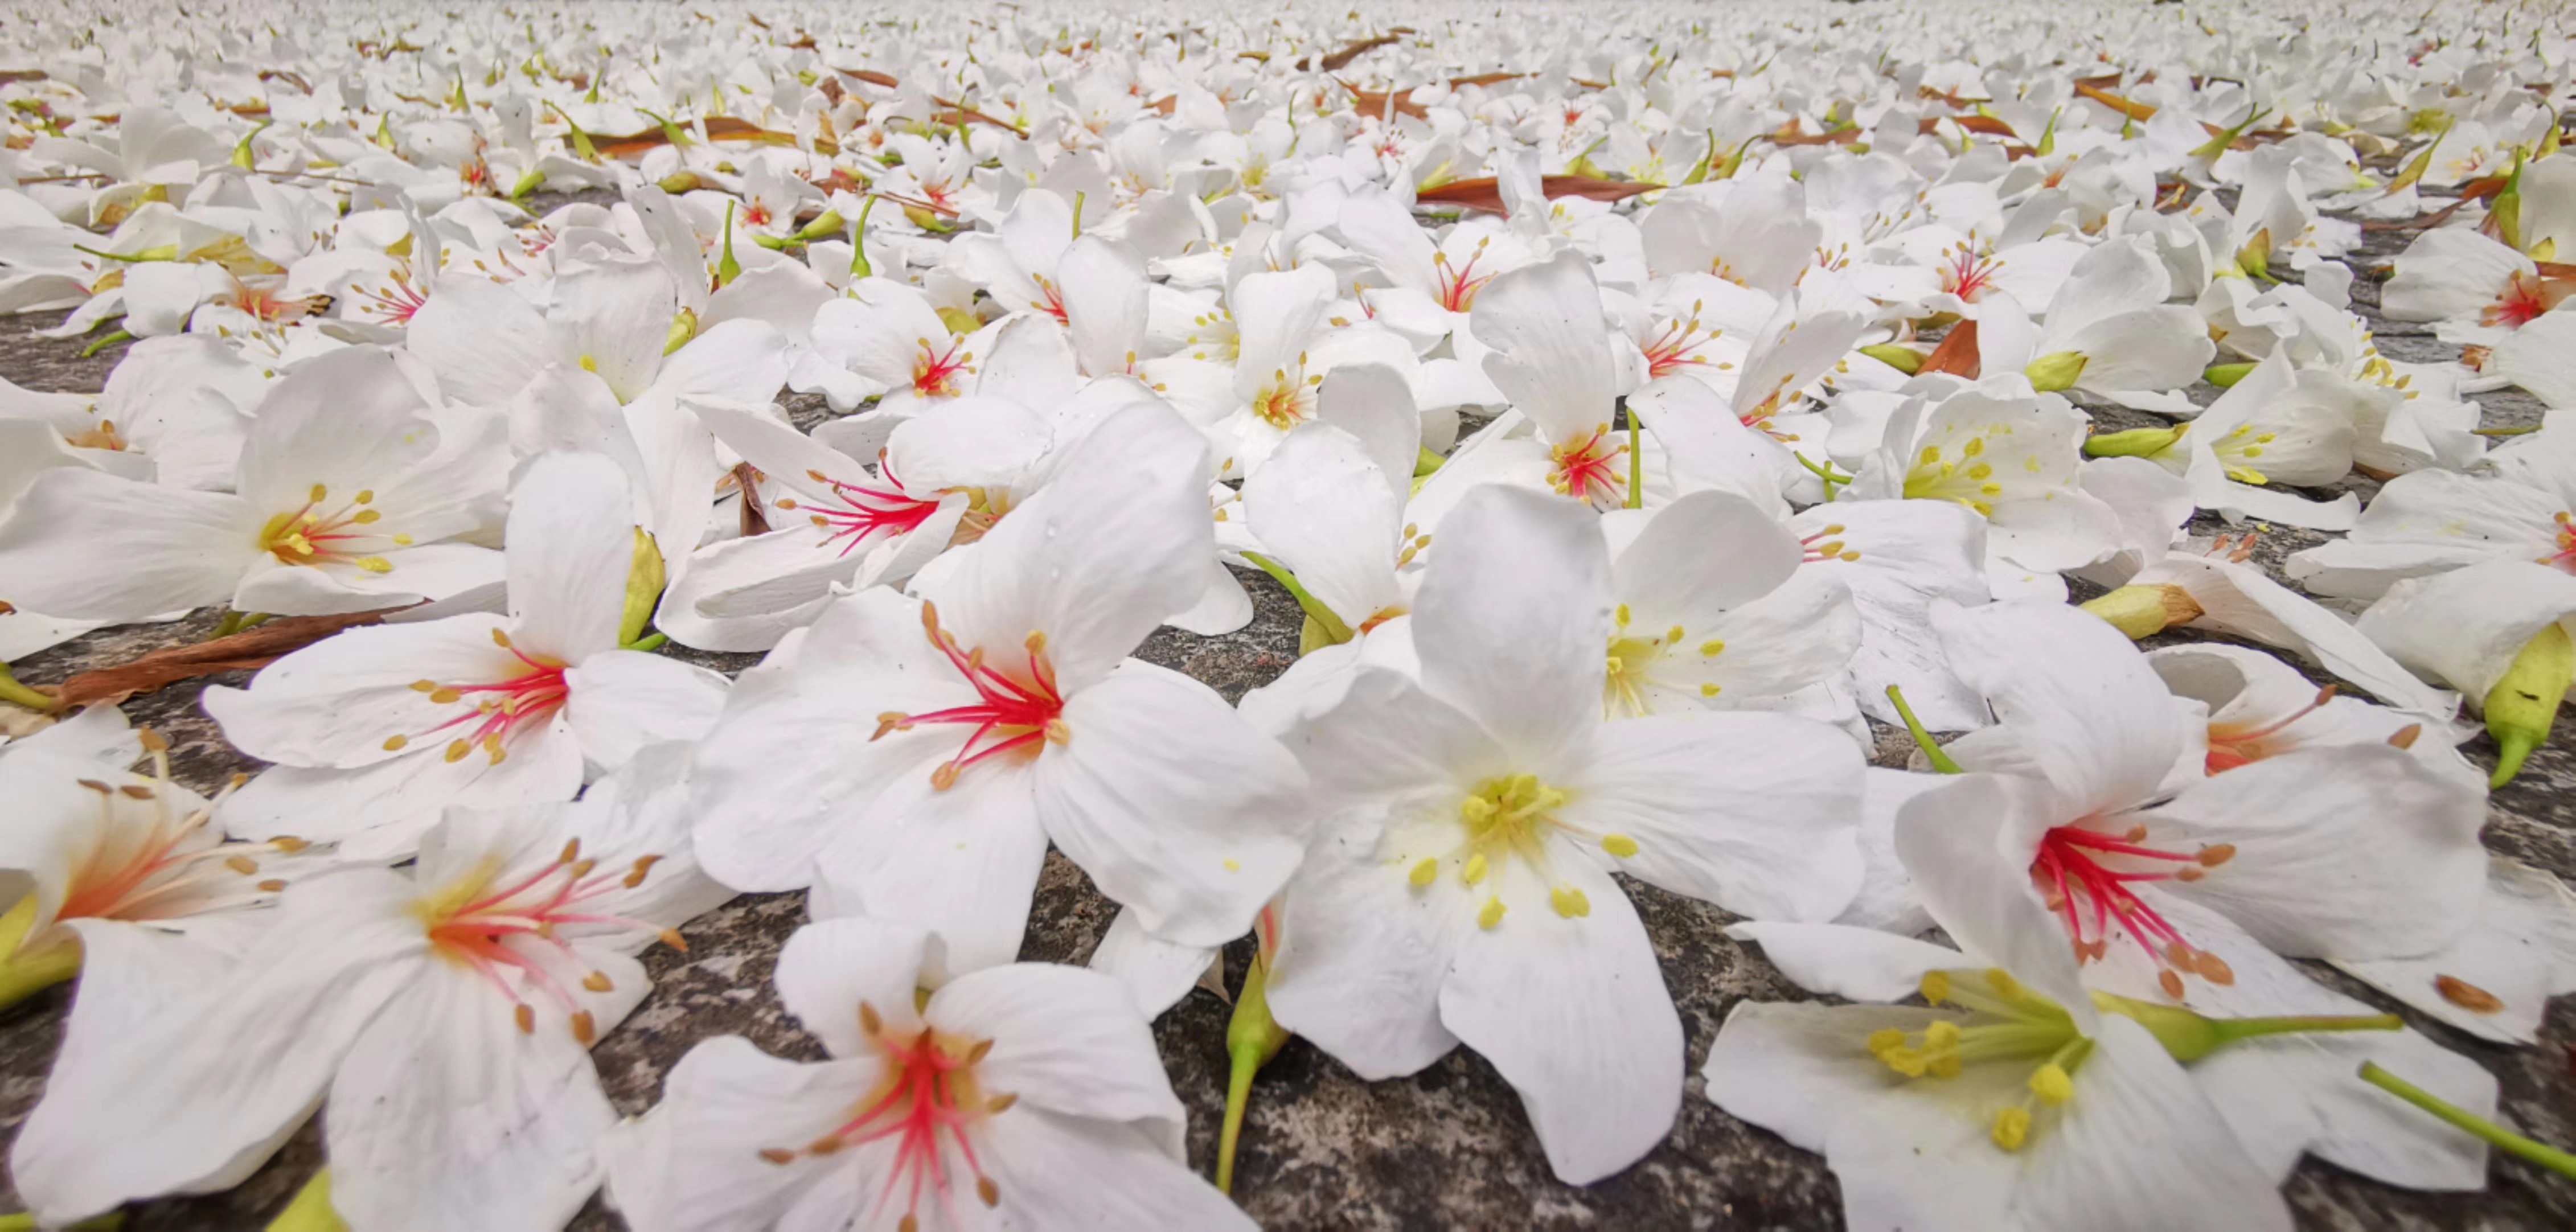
(1446, 1147)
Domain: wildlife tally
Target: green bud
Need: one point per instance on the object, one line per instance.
(728, 269)
(2143, 611)
(644, 579)
(683, 328)
(1426, 462)
(1326, 621)
(2134, 443)
(27, 971)
(2051, 373)
(959, 321)
(531, 182)
(859, 266)
(1904, 359)
(241, 152)
(926, 220)
(2225, 376)
(824, 225)
(2524, 703)
(680, 182)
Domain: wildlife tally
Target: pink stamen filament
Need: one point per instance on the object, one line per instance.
(2069, 862)
(2229, 748)
(1673, 349)
(1458, 287)
(934, 375)
(1969, 275)
(1591, 469)
(534, 906)
(397, 303)
(867, 512)
(1024, 714)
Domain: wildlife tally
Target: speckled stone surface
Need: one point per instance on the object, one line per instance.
(1448, 1147)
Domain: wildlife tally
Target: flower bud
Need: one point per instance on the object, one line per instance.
(1904, 359)
(2134, 443)
(2051, 373)
(2524, 702)
(2140, 611)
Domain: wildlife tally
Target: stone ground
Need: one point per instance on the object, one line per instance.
(1322, 1149)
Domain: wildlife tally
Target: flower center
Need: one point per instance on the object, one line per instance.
(1633, 656)
(2565, 557)
(1458, 287)
(313, 535)
(1826, 544)
(2006, 1024)
(1051, 301)
(393, 303)
(2101, 869)
(1677, 347)
(935, 371)
(2237, 451)
(1511, 817)
(1287, 401)
(167, 868)
(927, 1101)
(104, 436)
(494, 712)
(2232, 745)
(1968, 274)
(2525, 298)
(860, 514)
(495, 919)
(1016, 711)
(1969, 481)
(1592, 469)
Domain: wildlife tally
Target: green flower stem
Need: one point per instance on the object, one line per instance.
(2484, 1130)
(235, 622)
(18, 694)
(106, 342)
(859, 267)
(1636, 460)
(1922, 739)
(1252, 1037)
(649, 642)
(1323, 616)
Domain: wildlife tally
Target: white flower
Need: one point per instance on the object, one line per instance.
(1018, 1096)
(350, 495)
(1461, 890)
(443, 1016)
(377, 729)
(912, 758)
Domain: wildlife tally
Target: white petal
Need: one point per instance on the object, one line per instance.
(571, 545)
(1511, 616)
(1066, 1040)
(1754, 812)
(2139, 1147)
(1177, 808)
(1858, 964)
(1363, 952)
(694, 1161)
(1574, 1014)
(1551, 345)
(2080, 699)
(169, 549)
(1086, 1174)
(2521, 952)
(962, 863)
(622, 701)
(1157, 974)
(829, 968)
(1962, 842)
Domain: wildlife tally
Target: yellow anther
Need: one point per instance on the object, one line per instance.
(492, 746)
(1976, 445)
(402, 541)
(444, 696)
(1673, 636)
(1475, 870)
(1885, 1040)
(1491, 915)
(368, 517)
(1931, 455)
(500, 639)
(367, 496)
(1708, 690)
(1713, 647)
(589, 364)
(1569, 902)
(2004, 984)
(1936, 986)
(424, 686)
(394, 744)
(456, 751)
(1619, 845)
(1621, 615)
(320, 494)
(374, 564)
(2051, 1084)
(1424, 873)
(2012, 1128)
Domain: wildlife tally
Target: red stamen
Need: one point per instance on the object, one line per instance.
(1592, 469)
(865, 514)
(2071, 860)
(1023, 712)
(2229, 748)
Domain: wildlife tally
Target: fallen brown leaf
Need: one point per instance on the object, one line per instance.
(1485, 194)
(244, 651)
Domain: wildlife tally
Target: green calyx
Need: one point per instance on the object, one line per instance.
(1252, 1038)
(28, 971)
(2225, 376)
(2523, 705)
(2050, 373)
(1904, 359)
(2144, 611)
(2188, 1037)
(644, 580)
(859, 266)
(2134, 443)
(311, 1211)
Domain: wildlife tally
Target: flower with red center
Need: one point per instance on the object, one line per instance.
(476, 708)
(861, 513)
(1593, 469)
(1015, 709)
(2339, 851)
(2260, 708)
(935, 373)
(439, 1014)
(1677, 346)
(1017, 1096)
(1969, 272)
(944, 741)
(392, 303)
(2526, 296)
(1459, 285)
